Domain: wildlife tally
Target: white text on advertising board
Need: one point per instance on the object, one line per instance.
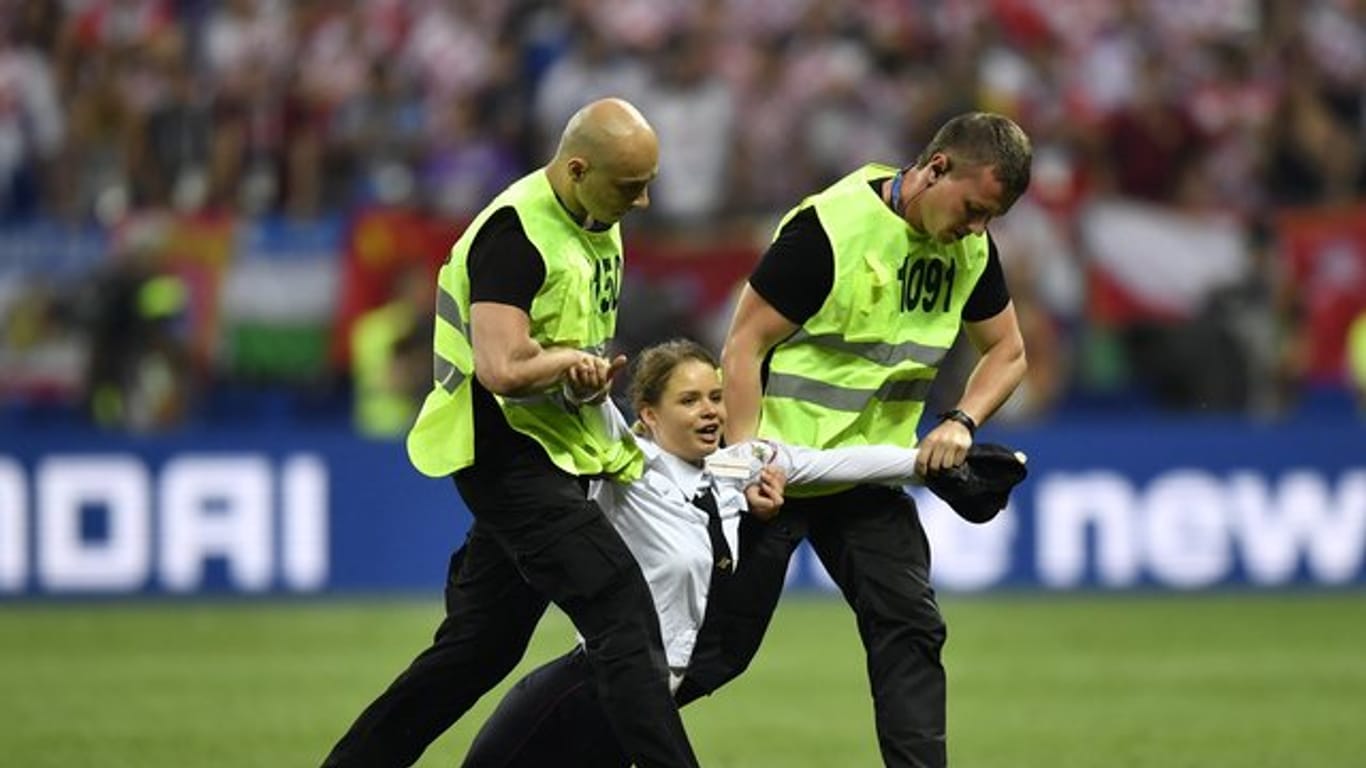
(268, 525)
(1184, 528)
(1187, 528)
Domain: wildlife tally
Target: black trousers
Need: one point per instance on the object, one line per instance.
(871, 542)
(551, 717)
(535, 539)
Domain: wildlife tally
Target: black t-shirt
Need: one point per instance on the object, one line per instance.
(503, 267)
(797, 273)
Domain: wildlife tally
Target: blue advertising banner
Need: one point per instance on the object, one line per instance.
(251, 512)
(1116, 506)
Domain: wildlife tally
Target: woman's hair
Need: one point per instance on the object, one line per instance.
(654, 365)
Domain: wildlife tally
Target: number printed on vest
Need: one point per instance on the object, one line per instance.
(926, 285)
(607, 282)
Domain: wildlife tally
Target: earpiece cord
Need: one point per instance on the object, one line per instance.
(895, 202)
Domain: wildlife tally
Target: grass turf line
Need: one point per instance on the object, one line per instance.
(1160, 681)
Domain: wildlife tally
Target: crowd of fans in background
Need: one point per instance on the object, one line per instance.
(1230, 110)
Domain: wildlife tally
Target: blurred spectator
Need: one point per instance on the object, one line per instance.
(465, 162)
(1109, 58)
(101, 31)
(31, 124)
(333, 65)
(42, 354)
(248, 139)
(1232, 108)
(139, 371)
(766, 170)
(121, 24)
(1334, 39)
(330, 70)
(1150, 139)
(171, 163)
(104, 131)
(391, 360)
(591, 68)
(1356, 359)
(845, 119)
(693, 111)
(247, 46)
(1314, 157)
(241, 35)
(37, 24)
(378, 136)
(449, 47)
(1045, 286)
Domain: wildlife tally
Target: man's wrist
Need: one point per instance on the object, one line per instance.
(958, 415)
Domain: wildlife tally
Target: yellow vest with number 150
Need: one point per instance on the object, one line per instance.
(575, 307)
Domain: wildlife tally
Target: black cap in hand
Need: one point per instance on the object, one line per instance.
(979, 488)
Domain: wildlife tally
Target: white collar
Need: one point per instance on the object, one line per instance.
(689, 477)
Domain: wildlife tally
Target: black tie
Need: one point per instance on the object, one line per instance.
(706, 502)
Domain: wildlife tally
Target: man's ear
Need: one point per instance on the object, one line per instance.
(577, 168)
(940, 166)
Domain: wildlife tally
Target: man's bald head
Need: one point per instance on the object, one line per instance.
(608, 154)
(612, 132)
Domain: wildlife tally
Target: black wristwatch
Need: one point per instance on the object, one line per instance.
(960, 417)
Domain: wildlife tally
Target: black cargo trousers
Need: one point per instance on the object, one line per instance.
(870, 540)
(536, 539)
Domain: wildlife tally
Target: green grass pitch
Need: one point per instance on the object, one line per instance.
(1160, 681)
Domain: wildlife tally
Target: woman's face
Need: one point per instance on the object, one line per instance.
(688, 419)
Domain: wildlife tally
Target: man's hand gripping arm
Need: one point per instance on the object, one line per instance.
(508, 362)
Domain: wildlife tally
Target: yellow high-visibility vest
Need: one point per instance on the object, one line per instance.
(575, 307)
(858, 371)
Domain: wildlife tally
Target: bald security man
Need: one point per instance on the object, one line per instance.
(526, 310)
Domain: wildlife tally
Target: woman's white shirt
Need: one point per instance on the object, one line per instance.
(668, 536)
(667, 533)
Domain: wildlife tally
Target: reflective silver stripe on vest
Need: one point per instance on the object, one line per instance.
(844, 398)
(448, 377)
(447, 309)
(874, 351)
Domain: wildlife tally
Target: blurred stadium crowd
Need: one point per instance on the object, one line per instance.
(224, 211)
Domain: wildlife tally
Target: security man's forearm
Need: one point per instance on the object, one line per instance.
(743, 393)
(522, 374)
(993, 379)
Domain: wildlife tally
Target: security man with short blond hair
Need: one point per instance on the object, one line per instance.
(835, 341)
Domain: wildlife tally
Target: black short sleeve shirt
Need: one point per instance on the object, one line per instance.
(505, 268)
(502, 264)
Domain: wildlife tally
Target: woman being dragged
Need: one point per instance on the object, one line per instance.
(683, 521)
